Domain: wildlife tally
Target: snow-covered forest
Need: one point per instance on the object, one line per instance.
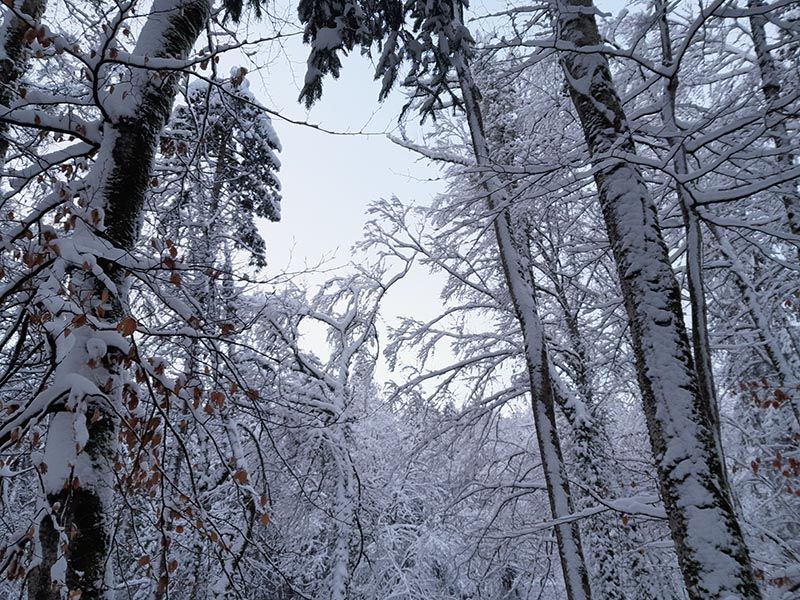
(590, 390)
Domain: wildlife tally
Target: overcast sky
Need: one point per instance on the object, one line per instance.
(329, 180)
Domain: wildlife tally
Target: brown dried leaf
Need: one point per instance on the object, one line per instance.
(127, 326)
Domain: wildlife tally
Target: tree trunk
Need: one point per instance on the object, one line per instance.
(771, 87)
(709, 543)
(701, 342)
(606, 541)
(15, 59)
(517, 269)
(79, 483)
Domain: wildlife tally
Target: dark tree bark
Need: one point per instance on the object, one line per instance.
(519, 280)
(16, 57)
(80, 486)
(771, 87)
(709, 543)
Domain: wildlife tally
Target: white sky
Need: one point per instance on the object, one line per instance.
(329, 180)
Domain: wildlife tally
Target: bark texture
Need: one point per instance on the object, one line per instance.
(519, 279)
(771, 87)
(15, 58)
(80, 490)
(712, 554)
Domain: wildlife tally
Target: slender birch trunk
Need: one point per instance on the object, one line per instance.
(201, 288)
(708, 540)
(605, 540)
(79, 483)
(344, 499)
(786, 157)
(15, 57)
(517, 270)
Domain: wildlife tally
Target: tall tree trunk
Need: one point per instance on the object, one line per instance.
(607, 542)
(771, 87)
(708, 540)
(518, 275)
(694, 234)
(79, 481)
(786, 157)
(701, 344)
(15, 58)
